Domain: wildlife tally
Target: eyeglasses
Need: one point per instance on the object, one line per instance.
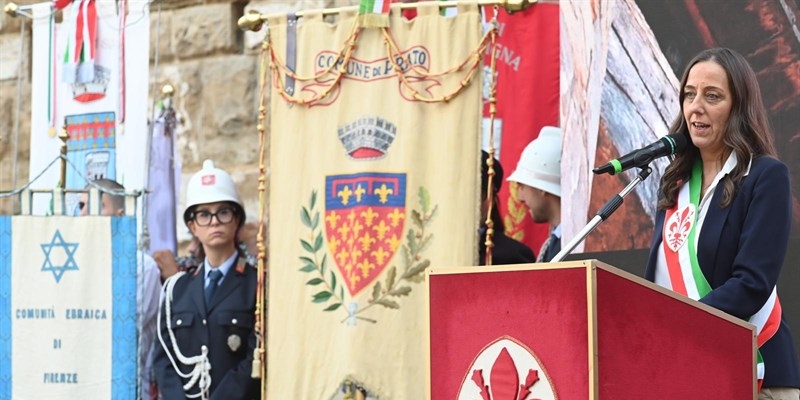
(224, 216)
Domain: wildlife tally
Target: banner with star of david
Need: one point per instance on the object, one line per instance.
(369, 187)
(68, 308)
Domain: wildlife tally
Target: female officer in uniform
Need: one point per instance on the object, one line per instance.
(207, 314)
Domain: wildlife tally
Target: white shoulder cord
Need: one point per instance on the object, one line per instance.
(200, 374)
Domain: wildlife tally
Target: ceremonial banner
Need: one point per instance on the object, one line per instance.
(161, 214)
(527, 54)
(92, 145)
(80, 72)
(67, 308)
(373, 178)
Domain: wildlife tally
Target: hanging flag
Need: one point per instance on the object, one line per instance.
(79, 58)
(527, 76)
(105, 96)
(61, 4)
(161, 219)
(68, 308)
(91, 149)
(374, 206)
(374, 13)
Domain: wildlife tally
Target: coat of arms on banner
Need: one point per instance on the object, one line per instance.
(92, 144)
(91, 149)
(364, 226)
(364, 219)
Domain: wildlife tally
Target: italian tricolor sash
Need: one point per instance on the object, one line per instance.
(684, 271)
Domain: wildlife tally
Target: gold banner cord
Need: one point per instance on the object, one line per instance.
(259, 355)
(345, 54)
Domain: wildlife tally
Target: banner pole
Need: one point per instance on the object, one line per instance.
(253, 20)
(14, 10)
(260, 354)
(64, 136)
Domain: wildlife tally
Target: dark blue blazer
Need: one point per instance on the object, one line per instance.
(230, 318)
(741, 250)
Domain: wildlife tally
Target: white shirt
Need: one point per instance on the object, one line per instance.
(224, 268)
(547, 243)
(556, 231)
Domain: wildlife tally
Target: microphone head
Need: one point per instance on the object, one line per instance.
(677, 141)
(666, 146)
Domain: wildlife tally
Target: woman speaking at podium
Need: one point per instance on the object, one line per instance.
(724, 211)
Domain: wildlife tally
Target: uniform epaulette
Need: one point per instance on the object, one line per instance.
(241, 264)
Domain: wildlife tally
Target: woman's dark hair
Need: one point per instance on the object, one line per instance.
(747, 132)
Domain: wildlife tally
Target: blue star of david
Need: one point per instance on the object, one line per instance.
(69, 249)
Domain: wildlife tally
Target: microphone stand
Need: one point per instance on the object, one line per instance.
(603, 214)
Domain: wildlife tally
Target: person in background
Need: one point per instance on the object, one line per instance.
(505, 250)
(538, 178)
(730, 196)
(207, 316)
(169, 265)
(148, 282)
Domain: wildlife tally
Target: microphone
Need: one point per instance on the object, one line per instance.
(666, 146)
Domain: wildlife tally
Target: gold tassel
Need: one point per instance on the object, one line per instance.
(256, 372)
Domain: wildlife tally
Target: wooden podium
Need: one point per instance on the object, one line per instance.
(578, 330)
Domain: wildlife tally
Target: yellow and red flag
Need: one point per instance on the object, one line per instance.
(374, 177)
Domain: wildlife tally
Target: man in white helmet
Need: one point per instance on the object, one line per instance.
(538, 176)
(207, 316)
(505, 250)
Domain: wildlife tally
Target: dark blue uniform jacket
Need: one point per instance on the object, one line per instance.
(228, 322)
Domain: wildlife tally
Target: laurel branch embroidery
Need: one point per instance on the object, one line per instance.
(386, 293)
(310, 218)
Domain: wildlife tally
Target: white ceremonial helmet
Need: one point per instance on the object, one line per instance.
(539, 165)
(211, 185)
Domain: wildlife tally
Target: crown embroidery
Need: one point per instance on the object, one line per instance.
(367, 138)
(95, 89)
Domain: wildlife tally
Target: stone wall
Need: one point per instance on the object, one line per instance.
(197, 47)
(15, 105)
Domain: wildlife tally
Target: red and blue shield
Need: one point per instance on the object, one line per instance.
(364, 219)
(91, 147)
